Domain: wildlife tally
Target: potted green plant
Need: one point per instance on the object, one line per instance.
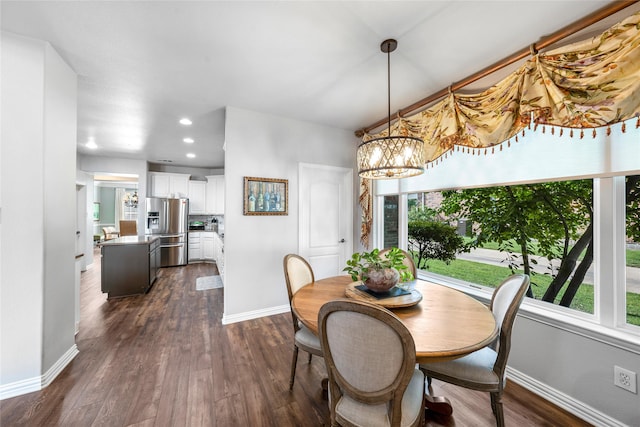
(378, 272)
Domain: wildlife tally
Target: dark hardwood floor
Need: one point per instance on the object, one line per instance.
(165, 359)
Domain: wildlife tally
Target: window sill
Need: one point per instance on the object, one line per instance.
(578, 323)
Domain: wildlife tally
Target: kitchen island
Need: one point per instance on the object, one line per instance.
(129, 265)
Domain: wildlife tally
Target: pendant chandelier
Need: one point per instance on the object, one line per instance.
(390, 157)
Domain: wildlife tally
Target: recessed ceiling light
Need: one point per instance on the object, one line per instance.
(191, 155)
(188, 140)
(185, 121)
(91, 144)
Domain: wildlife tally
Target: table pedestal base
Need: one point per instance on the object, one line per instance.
(438, 404)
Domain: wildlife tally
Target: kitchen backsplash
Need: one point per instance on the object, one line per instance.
(211, 222)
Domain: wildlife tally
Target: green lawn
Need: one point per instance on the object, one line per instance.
(491, 276)
(633, 258)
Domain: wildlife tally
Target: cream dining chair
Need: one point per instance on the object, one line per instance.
(485, 369)
(110, 233)
(371, 361)
(297, 273)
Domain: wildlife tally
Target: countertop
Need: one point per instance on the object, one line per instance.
(131, 240)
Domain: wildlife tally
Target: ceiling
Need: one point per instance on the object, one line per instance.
(143, 65)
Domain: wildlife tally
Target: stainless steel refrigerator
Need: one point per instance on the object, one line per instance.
(168, 219)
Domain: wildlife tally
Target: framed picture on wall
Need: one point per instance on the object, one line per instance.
(265, 196)
(96, 211)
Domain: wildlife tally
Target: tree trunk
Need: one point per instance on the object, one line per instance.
(568, 264)
(577, 278)
(527, 266)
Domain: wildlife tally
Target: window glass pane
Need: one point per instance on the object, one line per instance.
(544, 230)
(390, 224)
(633, 250)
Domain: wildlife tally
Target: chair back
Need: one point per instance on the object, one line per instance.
(109, 233)
(505, 303)
(369, 353)
(408, 261)
(297, 273)
(128, 228)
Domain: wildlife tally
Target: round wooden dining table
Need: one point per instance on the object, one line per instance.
(445, 323)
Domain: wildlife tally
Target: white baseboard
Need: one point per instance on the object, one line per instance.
(562, 400)
(18, 388)
(30, 385)
(248, 315)
(60, 364)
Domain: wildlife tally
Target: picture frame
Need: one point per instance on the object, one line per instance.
(96, 211)
(265, 196)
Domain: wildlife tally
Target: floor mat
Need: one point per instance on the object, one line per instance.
(208, 282)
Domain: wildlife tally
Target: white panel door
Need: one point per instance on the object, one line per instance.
(326, 217)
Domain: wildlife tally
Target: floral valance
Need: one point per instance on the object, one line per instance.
(587, 84)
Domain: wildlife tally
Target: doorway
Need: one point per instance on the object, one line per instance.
(118, 199)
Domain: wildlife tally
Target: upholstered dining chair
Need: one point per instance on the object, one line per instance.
(297, 273)
(408, 261)
(485, 369)
(371, 361)
(110, 233)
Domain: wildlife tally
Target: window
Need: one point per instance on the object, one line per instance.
(632, 250)
(540, 229)
(390, 224)
(574, 226)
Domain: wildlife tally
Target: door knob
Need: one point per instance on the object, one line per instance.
(341, 241)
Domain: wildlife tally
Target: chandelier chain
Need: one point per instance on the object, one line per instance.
(389, 85)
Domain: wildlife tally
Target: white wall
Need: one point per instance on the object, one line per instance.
(575, 369)
(59, 193)
(22, 231)
(268, 146)
(38, 215)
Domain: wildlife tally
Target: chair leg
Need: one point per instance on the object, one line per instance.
(294, 362)
(496, 403)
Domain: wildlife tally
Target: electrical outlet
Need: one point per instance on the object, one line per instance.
(624, 378)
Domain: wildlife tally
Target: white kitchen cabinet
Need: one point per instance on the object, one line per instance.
(201, 246)
(168, 184)
(159, 184)
(195, 246)
(207, 245)
(215, 195)
(197, 197)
